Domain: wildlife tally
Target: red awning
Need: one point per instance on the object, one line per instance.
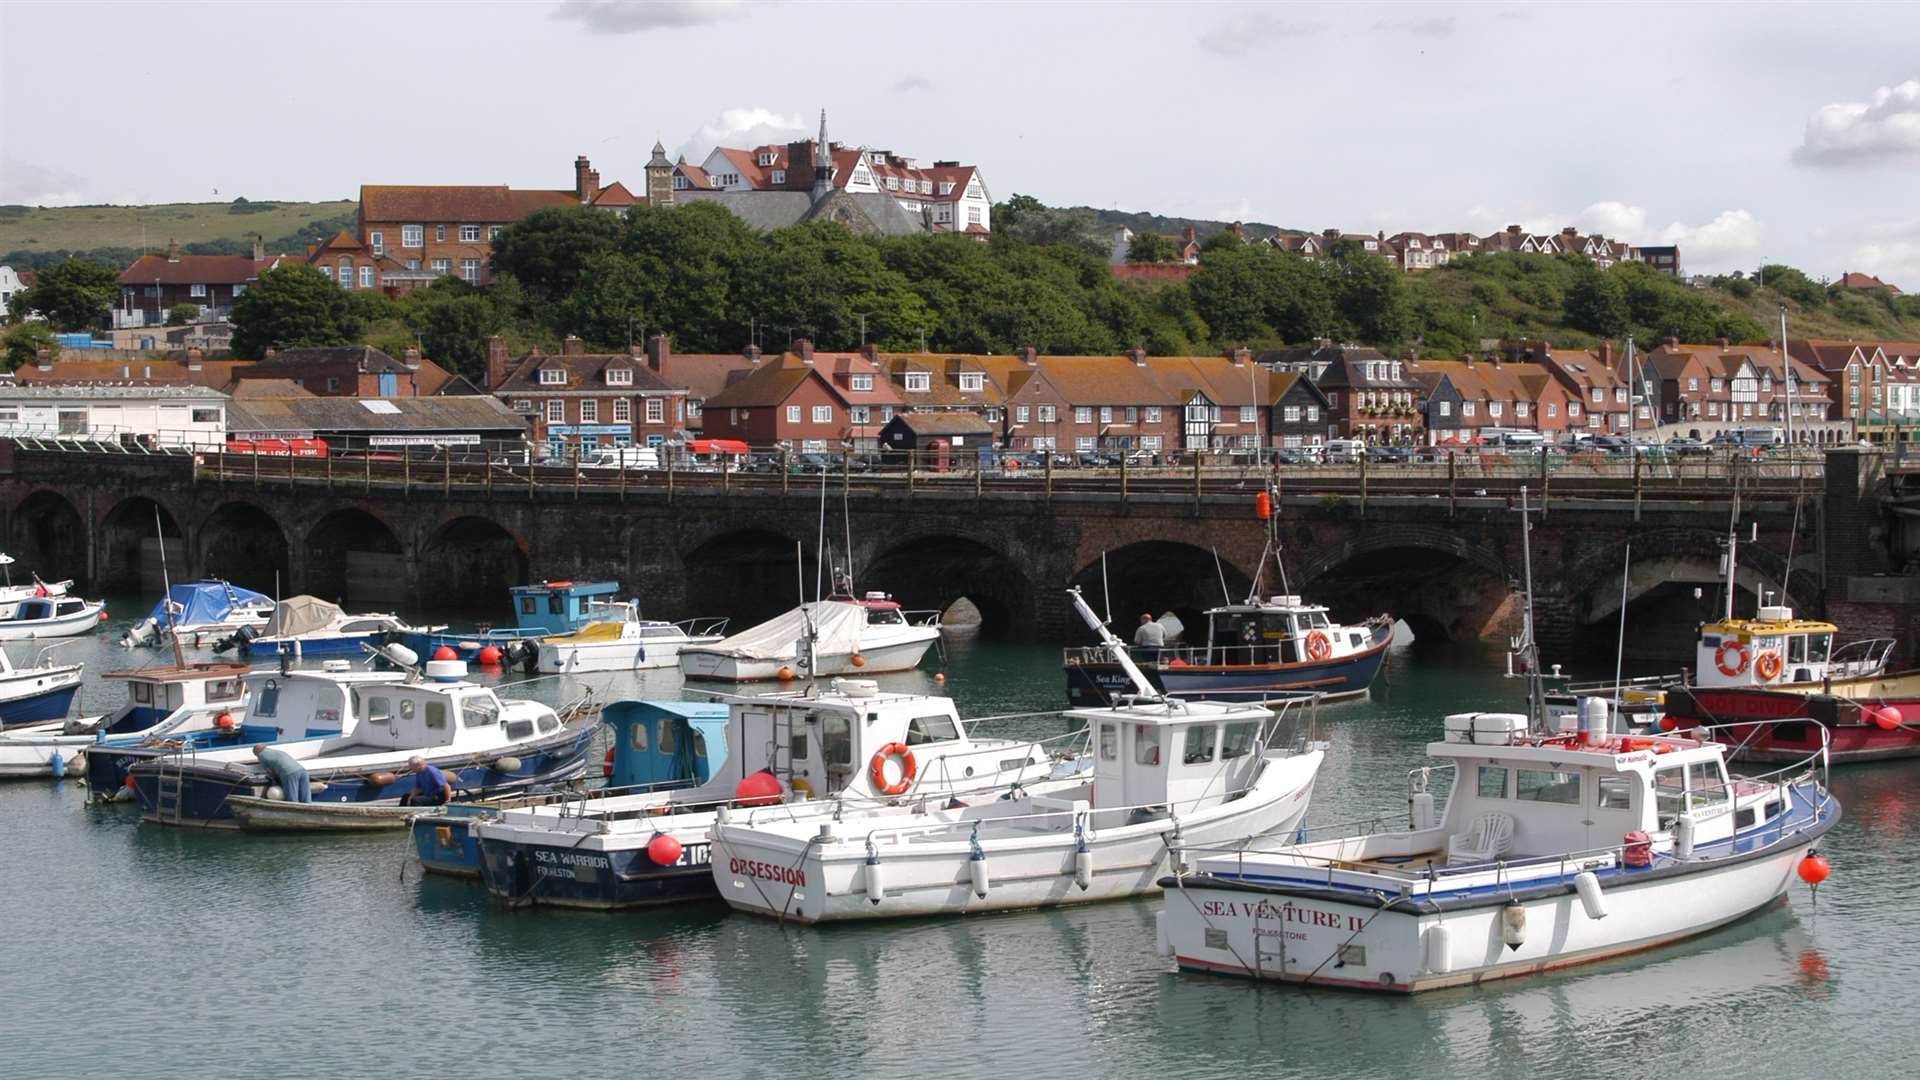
(717, 446)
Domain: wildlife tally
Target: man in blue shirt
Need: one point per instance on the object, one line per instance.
(294, 783)
(430, 784)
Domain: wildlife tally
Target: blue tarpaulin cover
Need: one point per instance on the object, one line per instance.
(200, 602)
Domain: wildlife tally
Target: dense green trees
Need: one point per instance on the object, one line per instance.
(74, 295)
(293, 305)
(24, 342)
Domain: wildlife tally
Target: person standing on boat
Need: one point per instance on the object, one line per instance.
(430, 786)
(1150, 638)
(287, 769)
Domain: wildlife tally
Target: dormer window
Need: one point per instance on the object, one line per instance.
(918, 382)
(619, 376)
(553, 376)
(973, 381)
(860, 382)
(766, 159)
(946, 187)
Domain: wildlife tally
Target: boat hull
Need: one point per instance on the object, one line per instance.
(903, 653)
(33, 759)
(444, 843)
(64, 626)
(40, 706)
(1851, 733)
(555, 870)
(607, 656)
(1093, 685)
(353, 645)
(277, 815)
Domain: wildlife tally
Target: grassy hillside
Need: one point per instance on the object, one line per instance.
(32, 234)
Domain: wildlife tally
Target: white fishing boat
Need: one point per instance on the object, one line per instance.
(200, 613)
(839, 636)
(11, 594)
(618, 639)
(1167, 775)
(51, 617)
(183, 704)
(40, 692)
(1554, 850)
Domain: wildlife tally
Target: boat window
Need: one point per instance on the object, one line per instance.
(1354, 640)
(1239, 740)
(436, 714)
(669, 735)
(269, 703)
(1200, 744)
(1706, 788)
(1743, 818)
(519, 729)
(1319, 620)
(548, 724)
(1548, 786)
(1109, 742)
(1772, 810)
(637, 737)
(1493, 782)
(68, 609)
(1670, 793)
(528, 605)
(884, 618)
(223, 690)
(1614, 792)
(836, 739)
(926, 729)
(660, 632)
(1146, 745)
(1819, 647)
(1709, 641)
(699, 744)
(556, 605)
(1797, 649)
(379, 709)
(479, 710)
(142, 693)
(363, 626)
(406, 708)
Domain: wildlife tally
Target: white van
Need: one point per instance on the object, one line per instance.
(631, 458)
(1344, 451)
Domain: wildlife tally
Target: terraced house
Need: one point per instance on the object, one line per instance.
(577, 399)
(806, 400)
(1703, 390)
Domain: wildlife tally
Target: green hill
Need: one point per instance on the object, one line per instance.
(34, 236)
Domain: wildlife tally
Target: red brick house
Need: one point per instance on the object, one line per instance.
(1086, 403)
(1370, 396)
(575, 398)
(806, 400)
(1596, 394)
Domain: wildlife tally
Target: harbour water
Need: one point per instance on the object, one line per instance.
(131, 950)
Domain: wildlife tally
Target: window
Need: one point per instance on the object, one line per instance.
(823, 414)
(1290, 414)
(553, 376)
(378, 242)
(619, 376)
(1333, 399)
(836, 739)
(1493, 782)
(379, 709)
(1445, 408)
(1083, 414)
(1086, 442)
(1146, 744)
(1520, 409)
(366, 277)
(622, 410)
(1601, 395)
(333, 384)
(522, 405)
(196, 290)
(589, 412)
(1149, 442)
(1313, 412)
(1466, 408)
(858, 414)
(1553, 409)
(1153, 414)
(1238, 741)
(779, 176)
(206, 416)
(1573, 408)
(479, 710)
(1106, 414)
(556, 411)
(493, 232)
(973, 381)
(1548, 786)
(936, 728)
(919, 382)
(1199, 749)
(440, 234)
(1046, 414)
(239, 290)
(441, 266)
(893, 183)
(1109, 742)
(1494, 408)
(1693, 383)
(1715, 386)
(656, 410)
(1019, 414)
(793, 414)
(469, 234)
(470, 270)
(412, 236)
(1247, 414)
(860, 382)
(1613, 792)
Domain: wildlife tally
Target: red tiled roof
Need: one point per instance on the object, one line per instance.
(196, 269)
(585, 371)
(452, 203)
(615, 194)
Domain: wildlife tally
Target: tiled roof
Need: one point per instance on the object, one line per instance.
(1224, 383)
(615, 194)
(695, 175)
(196, 269)
(1855, 280)
(298, 414)
(1099, 380)
(944, 423)
(943, 379)
(213, 374)
(585, 372)
(451, 203)
(770, 385)
(247, 389)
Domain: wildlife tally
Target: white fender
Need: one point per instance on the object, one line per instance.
(876, 879)
(508, 763)
(1513, 925)
(1683, 836)
(1421, 812)
(274, 792)
(1083, 868)
(1591, 897)
(977, 870)
(1162, 944)
(1439, 942)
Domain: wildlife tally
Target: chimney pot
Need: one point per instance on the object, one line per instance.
(573, 346)
(195, 358)
(259, 248)
(497, 359)
(43, 358)
(1670, 342)
(658, 349)
(870, 351)
(412, 357)
(752, 353)
(1138, 356)
(803, 348)
(1724, 343)
(1606, 353)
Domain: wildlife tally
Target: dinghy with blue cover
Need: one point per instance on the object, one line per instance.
(52, 617)
(36, 694)
(485, 746)
(200, 613)
(162, 702)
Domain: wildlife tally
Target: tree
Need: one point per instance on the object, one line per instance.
(1793, 285)
(549, 250)
(1370, 295)
(1231, 292)
(183, 314)
(74, 295)
(24, 342)
(454, 330)
(1026, 218)
(1597, 304)
(1148, 247)
(293, 305)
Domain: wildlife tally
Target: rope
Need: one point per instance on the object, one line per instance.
(1362, 929)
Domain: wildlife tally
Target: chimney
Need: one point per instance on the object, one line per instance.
(752, 353)
(1606, 353)
(658, 349)
(1029, 355)
(1187, 234)
(870, 351)
(1330, 234)
(1138, 356)
(195, 358)
(1513, 230)
(173, 250)
(1569, 232)
(259, 248)
(1670, 342)
(571, 345)
(1240, 356)
(803, 348)
(43, 358)
(1467, 359)
(583, 179)
(1724, 343)
(412, 357)
(497, 360)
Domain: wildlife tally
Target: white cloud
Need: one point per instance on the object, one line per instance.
(909, 83)
(1245, 31)
(638, 16)
(1892, 254)
(36, 185)
(1853, 132)
(1239, 211)
(744, 127)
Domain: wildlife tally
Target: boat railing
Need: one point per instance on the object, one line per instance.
(1817, 765)
(40, 658)
(922, 616)
(704, 626)
(945, 761)
(1867, 656)
(1607, 687)
(1074, 817)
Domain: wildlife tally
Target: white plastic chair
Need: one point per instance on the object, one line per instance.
(1488, 838)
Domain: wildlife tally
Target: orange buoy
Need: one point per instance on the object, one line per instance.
(1263, 506)
(1814, 868)
(877, 769)
(1888, 718)
(1767, 665)
(858, 660)
(758, 789)
(785, 674)
(939, 676)
(490, 656)
(664, 850)
(445, 652)
(1319, 646)
(103, 615)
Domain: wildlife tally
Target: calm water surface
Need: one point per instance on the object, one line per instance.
(131, 950)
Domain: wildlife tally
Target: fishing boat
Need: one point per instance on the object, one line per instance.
(485, 745)
(200, 613)
(51, 617)
(11, 594)
(39, 693)
(618, 639)
(1555, 849)
(678, 768)
(542, 610)
(1168, 775)
(841, 635)
(169, 702)
(1869, 719)
(304, 626)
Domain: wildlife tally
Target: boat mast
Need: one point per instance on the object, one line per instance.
(1529, 648)
(166, 598)
(1786, 372)
(1143, 690)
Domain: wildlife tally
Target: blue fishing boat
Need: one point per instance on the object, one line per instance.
(485, 746)
(162, 702)
(36, 694)
(200, 613)
(307, 626)
(543, 610)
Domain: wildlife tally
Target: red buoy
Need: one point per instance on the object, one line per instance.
(224, 721)
(1814, 868)
(490, 656)
(1889, 718)
(1176, 662)
(858, 660)
(130, 784)
(758, 789)
(1263, 506)
(664, 850)
(1668, 723)
(939, 676)
(445, 652)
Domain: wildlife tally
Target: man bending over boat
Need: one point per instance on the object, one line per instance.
(287, 769)
(430, 786)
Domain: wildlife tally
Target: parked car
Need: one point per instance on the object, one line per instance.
(1344, 451)
(1686, 446)
(631, 458)
(1389, 455)
(1294, 455)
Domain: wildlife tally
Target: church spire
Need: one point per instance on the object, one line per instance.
(822, 160)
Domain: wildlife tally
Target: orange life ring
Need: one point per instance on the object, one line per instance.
(1720, 657)
(1767, 665)
(877, 769)
(1319, 646)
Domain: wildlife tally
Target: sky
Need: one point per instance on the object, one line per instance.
(1746, 133)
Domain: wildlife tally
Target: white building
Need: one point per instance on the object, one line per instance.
(148, 415)
(10, 283)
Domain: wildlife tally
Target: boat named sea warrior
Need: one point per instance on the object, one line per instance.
(1555, 850)
(484, 745)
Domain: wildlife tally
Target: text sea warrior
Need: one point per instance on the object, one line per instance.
(785, 875)
(1261, 910)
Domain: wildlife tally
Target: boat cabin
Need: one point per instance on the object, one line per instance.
(420, 716)
(1771, 648)
(155, 693)
(37, 608)
(882, 610)
(666, 743)
(559, 607)
(1176, 754)
(1282, 630)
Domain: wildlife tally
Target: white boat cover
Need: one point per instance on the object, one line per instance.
(297, 615)
(837, 623)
